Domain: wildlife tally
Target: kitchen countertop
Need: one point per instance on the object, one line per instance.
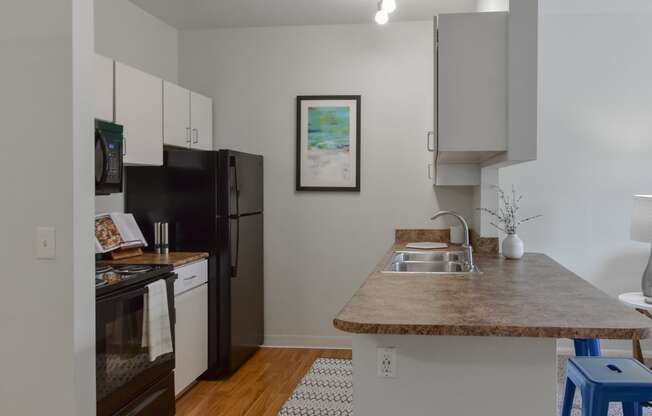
(176, 259)
(531, 297)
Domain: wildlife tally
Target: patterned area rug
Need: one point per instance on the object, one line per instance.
(327, 390)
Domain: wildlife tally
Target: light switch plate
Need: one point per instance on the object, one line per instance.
(46, 243)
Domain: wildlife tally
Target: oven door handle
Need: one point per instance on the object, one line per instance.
(135, 292)
(124, 296)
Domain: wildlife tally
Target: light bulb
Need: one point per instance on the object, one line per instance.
(381, 17)
(388, 5)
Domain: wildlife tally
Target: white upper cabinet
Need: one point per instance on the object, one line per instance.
(486, 92)
(139, 108)
(103, 71)
(201, 119)
(176, 115)
(472, 80)
(153, 112)
(187, 118)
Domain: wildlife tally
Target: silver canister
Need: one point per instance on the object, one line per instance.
(157, 237)
(165, 239)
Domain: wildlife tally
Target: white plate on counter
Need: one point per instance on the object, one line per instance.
(426, 245)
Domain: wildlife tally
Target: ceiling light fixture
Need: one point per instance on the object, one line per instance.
(388, 5)
(382, 16)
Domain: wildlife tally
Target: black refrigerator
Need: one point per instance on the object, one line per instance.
(213, 202)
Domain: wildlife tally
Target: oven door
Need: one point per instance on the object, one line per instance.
(124, 371)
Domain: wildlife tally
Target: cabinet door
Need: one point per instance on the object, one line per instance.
(139, 108)
(191, 337)
(201, 117)
(103, 71)
(472, 82)
(176, 115)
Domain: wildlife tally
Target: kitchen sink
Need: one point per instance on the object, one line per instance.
(446, 256)
(431, 262)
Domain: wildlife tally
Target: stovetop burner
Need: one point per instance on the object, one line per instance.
(133, 269)
(102, 269)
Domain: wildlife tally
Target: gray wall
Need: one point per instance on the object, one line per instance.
(46, 306)
(319, 247)
(595, 143)
(128, 34)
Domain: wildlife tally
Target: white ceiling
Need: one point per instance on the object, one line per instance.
(198, 14)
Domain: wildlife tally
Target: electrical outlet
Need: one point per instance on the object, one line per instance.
(386, 362)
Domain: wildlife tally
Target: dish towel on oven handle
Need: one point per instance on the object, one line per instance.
(156, 320)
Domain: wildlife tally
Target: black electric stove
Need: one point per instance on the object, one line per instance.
(129, 381)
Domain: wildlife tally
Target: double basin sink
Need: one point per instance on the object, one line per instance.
(429, 262)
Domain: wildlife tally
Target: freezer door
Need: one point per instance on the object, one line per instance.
(245, 183)
(247, 299)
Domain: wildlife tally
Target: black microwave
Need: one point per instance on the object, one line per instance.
(109, 143)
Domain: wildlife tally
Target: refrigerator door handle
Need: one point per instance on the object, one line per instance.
(234, 267)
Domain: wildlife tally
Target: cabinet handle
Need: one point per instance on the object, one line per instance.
(196, 136)
(190, 278)
(428, 136)
(429, 170)
(188, 135)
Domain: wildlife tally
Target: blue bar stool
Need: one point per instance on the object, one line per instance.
(587, 347)
(583, 348)
(605, 380)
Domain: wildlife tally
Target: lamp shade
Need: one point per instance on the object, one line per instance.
(642, 219)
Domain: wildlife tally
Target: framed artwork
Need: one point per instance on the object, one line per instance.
(328, 143)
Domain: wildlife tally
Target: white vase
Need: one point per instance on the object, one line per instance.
(513, 247)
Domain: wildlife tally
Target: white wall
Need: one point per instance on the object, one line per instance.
(485, 196)
(319, 247)
(595, 144)
(46, 318)
(125, 32)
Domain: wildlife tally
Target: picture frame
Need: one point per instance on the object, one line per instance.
(328, 143)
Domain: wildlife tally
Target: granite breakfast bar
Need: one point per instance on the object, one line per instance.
(476, 344)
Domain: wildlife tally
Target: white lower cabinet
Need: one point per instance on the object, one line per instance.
(191, 330)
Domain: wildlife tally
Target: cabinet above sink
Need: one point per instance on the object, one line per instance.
(485, 92)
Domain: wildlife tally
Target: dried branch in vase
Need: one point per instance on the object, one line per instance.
(507, 217)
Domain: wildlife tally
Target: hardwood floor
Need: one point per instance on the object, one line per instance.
(259, 388)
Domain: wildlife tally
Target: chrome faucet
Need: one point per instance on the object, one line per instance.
(467, 244)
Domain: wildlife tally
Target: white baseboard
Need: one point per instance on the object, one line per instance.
(307, 341)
